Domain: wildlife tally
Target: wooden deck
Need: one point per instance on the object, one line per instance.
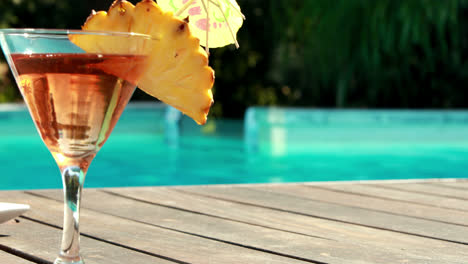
(373, 222)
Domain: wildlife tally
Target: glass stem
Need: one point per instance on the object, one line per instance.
(73, 179)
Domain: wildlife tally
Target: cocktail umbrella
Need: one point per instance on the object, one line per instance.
(214, 22)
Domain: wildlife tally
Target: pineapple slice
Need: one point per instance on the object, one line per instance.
(178, 72)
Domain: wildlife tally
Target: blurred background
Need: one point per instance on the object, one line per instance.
(325, 63)
(313, 53)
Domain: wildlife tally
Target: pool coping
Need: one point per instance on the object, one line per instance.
(272, 184)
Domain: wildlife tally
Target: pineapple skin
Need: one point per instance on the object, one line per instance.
(178, 73)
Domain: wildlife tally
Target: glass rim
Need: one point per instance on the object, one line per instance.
(66, 32)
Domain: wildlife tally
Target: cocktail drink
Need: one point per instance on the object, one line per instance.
(74, 102)
(75, 98)
(76, 84)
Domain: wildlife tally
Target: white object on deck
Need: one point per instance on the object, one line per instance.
(10, 210)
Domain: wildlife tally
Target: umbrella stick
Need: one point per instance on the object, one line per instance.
(206, 7)
(229, 26)
(183, 8)
(232, 6)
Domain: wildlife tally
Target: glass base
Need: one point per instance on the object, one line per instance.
(65, 260)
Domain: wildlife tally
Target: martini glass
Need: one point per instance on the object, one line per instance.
(75, 99)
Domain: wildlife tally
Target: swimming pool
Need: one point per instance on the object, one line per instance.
(272, 146)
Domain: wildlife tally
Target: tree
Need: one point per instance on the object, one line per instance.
(385, 53)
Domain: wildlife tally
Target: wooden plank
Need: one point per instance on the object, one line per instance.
(42, 241)
(377, 204)
(430, 189)
(144, 236)
(462, 185)
(399, 195)
(339, 212)
(392, 242)
(312, 248)
(8, 258)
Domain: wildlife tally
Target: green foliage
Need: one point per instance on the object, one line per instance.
(242, 74)
(385, 53)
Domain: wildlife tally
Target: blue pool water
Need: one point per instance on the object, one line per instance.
(348, 146)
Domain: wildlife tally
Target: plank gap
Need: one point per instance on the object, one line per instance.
(384, 198)
(210, 215)
(24, 255)
(230, 242)
(358, 207)
(109, 242)
(420, 192)
(448, 186)
(100, 239)
(325, 218)
(174, 230)
(369, 209)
